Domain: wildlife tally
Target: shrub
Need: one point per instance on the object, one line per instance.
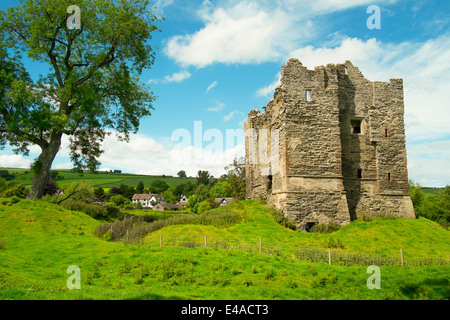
(10, 201)
(93, 210)
(2, 245)
(203, 207)
(118, 200)
(279, 218)
(325, 227)
(18, 191)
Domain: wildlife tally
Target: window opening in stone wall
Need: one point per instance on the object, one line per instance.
(389, 176)
(386, 133)
(346, 71)
(359, 173)
(356, 126)
(269, 183)
(308, 95)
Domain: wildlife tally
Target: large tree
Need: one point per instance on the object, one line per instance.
(92, 87)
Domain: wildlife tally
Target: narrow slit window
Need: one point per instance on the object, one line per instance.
(389, 176)
(356, 126)
(346, 71)
(359, 173)
(308, 95)
(386, 133)
(269, 182)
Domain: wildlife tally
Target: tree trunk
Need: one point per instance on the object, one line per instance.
(42, 172)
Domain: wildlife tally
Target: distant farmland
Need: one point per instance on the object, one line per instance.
(101, 179)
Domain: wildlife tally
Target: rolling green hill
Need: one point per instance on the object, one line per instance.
(39, 241)
(103, 179)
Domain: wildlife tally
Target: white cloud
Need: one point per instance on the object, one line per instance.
(144, 155)
(242, 33)
(175, 77)
(269, 89)
(212, 85)
(218, 106)
(67, 165)
(14, 161)
(178, 77)
(230, 116)
(252, 31)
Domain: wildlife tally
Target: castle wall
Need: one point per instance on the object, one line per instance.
(328, 168)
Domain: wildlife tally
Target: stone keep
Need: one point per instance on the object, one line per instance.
(329, 147)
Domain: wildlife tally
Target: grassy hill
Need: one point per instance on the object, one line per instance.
(39, 241)
(103, 179)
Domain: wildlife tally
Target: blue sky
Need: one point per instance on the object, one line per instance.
(217, 60)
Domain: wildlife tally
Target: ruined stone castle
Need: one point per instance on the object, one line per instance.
(329, 147)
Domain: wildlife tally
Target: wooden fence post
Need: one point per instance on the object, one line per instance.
(160, 241)
(329, 256)
(260, 245)
(206, 241)
(401, 256)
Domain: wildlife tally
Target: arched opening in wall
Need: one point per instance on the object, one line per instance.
(309, 226)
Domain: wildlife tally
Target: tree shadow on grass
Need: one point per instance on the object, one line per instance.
(428, 288)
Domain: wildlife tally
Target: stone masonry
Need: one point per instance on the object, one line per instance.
(339, 147)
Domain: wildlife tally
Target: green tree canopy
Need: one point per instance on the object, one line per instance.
(203, 177)
(236, 178)
(158, 186)
(181, 174)
(93, 86)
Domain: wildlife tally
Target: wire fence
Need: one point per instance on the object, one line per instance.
(331, 256)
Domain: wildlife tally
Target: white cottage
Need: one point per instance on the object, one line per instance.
(148, 200)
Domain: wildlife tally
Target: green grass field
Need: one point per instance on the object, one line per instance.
(39, 241)
(106, 180)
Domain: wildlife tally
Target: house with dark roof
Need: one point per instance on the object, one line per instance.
(224, 201)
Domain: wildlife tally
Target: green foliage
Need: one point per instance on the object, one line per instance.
(203, 177)
(220, 190)
(203, 207)
(2, 245)
(169, 195)
(4, 174)
(93, 78)
(140, 187)
(118, 200)
(159, 186)
(181, 174)
(435, 207)
(99, 194)
(325, 228)
(236, 178)
(9, 201)
(279, 218)
(18, 191)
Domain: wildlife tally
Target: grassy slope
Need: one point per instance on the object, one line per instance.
(42, 240)
(419, 237)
